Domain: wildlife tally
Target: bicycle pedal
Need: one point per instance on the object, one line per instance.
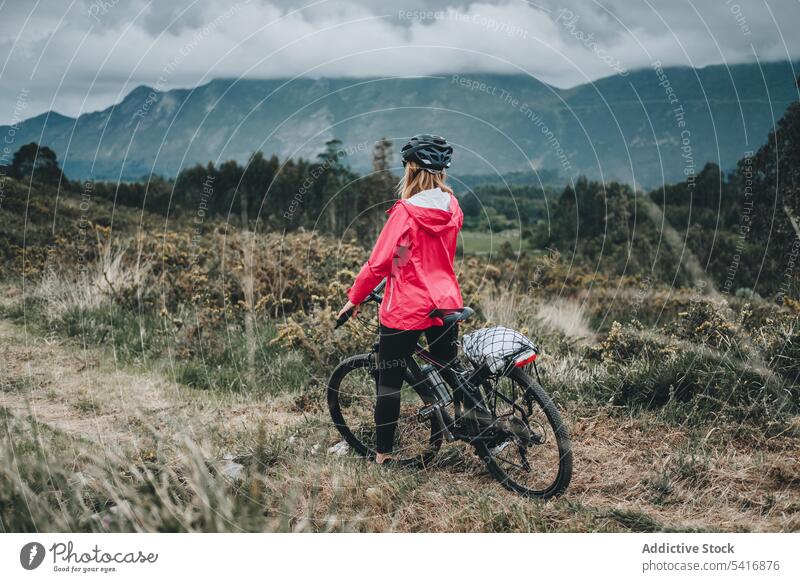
(425, 413)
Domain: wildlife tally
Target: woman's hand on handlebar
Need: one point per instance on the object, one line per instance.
(347, 307)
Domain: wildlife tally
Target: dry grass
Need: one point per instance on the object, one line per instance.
(160, 464)
(506, 308)
(568, 317)
(114, 275)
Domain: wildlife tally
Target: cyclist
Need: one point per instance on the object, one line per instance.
(415, 252)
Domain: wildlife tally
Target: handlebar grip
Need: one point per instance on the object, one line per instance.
(343, 318)
(375, 295)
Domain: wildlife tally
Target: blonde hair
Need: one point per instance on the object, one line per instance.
(415, 179)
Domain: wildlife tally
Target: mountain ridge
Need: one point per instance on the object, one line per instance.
(614, 127)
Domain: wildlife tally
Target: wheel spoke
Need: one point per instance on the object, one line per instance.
(534, 465)
(352, 397)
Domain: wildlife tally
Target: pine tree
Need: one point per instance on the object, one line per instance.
(776, 173)
(378, 188)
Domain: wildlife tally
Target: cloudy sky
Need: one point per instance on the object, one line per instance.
(75, 56)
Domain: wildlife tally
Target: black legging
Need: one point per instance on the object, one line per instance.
(394, 349)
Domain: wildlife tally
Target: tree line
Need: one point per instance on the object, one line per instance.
(742, 225)
(322, 194)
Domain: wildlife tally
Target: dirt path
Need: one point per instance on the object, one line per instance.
(704, 479)
(82, 394)
(71, 390)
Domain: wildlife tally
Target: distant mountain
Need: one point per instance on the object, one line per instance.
(616, 128)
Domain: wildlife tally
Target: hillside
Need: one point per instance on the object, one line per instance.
(624, 125)
(127, 356)
(164, 373)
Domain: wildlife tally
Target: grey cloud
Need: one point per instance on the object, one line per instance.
(185, 42)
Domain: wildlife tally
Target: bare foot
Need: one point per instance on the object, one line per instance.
(381, 457)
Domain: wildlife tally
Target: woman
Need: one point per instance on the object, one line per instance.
(415, 252)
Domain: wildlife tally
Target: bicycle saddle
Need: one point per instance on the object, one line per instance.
(450, 316)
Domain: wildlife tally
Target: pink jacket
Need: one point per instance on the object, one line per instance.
(416, 252)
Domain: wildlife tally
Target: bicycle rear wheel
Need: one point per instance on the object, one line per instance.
(352, 391)
(533, 455)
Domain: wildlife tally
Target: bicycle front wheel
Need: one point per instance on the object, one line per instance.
(352, 392)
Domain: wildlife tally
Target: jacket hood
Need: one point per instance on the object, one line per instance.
(434, 210)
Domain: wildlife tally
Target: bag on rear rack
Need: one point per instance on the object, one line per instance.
(498, 348)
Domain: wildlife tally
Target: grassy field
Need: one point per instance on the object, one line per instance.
(490, 243)
(95, 444)
(155, 381)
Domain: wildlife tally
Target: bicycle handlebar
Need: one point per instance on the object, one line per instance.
(375, 295)
(343, 318)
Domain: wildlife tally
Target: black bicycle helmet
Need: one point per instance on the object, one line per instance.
(432, 153)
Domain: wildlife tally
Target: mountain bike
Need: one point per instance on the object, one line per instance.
(493, 404)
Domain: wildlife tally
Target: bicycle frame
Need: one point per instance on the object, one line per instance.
(463, 392)
(463, 384)
(468, 387)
